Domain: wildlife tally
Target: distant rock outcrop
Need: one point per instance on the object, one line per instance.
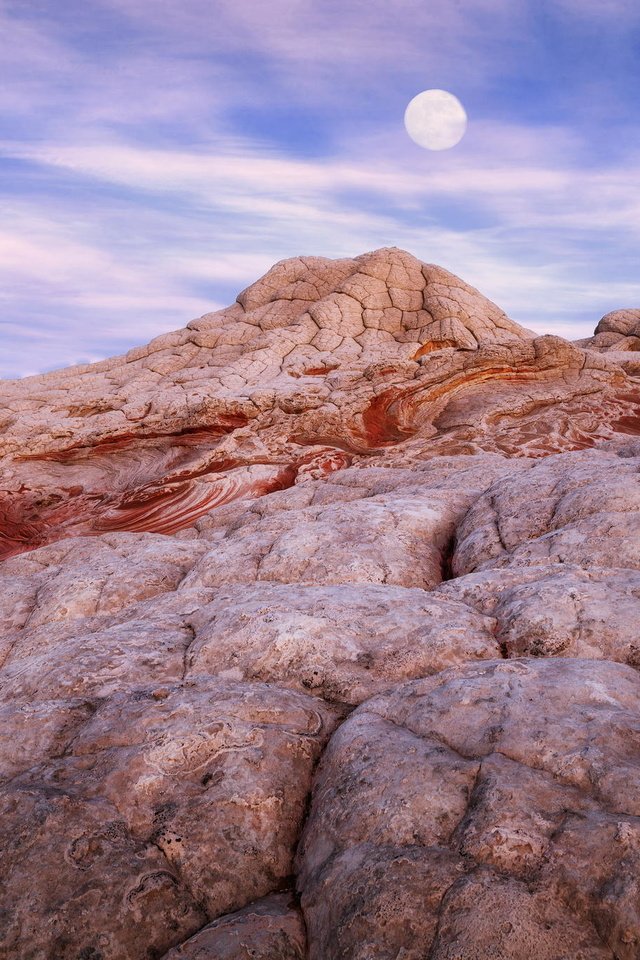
(618, 332)
(318, 634)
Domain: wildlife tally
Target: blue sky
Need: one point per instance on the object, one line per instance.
(157, 156)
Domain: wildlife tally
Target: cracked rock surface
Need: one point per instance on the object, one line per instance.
(474, 841)
(318, 634)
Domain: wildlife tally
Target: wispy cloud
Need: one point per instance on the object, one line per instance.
(614, 13)
(160, 156)
(302, 37)
(518, 188)
(233, 214)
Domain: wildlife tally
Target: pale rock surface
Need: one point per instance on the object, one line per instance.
(362, 519)
(617, 331)
(505, 827)
(138, 817)
(618, 334)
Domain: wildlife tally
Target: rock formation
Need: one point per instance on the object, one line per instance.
(318, 634)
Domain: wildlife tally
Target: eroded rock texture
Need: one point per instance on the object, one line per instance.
(506, 825)
(318, 634)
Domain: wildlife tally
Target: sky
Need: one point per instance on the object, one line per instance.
(157, 156)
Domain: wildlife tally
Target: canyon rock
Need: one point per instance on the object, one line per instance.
(318, 633)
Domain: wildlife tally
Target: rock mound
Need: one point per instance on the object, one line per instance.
(626, 323)
(618, 333)
(318, 634)
(319, 364)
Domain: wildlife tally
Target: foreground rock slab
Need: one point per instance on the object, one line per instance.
(152, 811)
(491, 810)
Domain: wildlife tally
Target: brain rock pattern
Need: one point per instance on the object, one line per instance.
(318, 634)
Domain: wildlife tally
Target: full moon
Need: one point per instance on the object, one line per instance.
(435, 120)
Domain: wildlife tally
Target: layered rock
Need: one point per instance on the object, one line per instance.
(319, 364)
(347, 518)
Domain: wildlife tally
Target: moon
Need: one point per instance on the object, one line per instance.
(435, 120)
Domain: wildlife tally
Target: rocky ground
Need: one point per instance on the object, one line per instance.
(319, 634)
